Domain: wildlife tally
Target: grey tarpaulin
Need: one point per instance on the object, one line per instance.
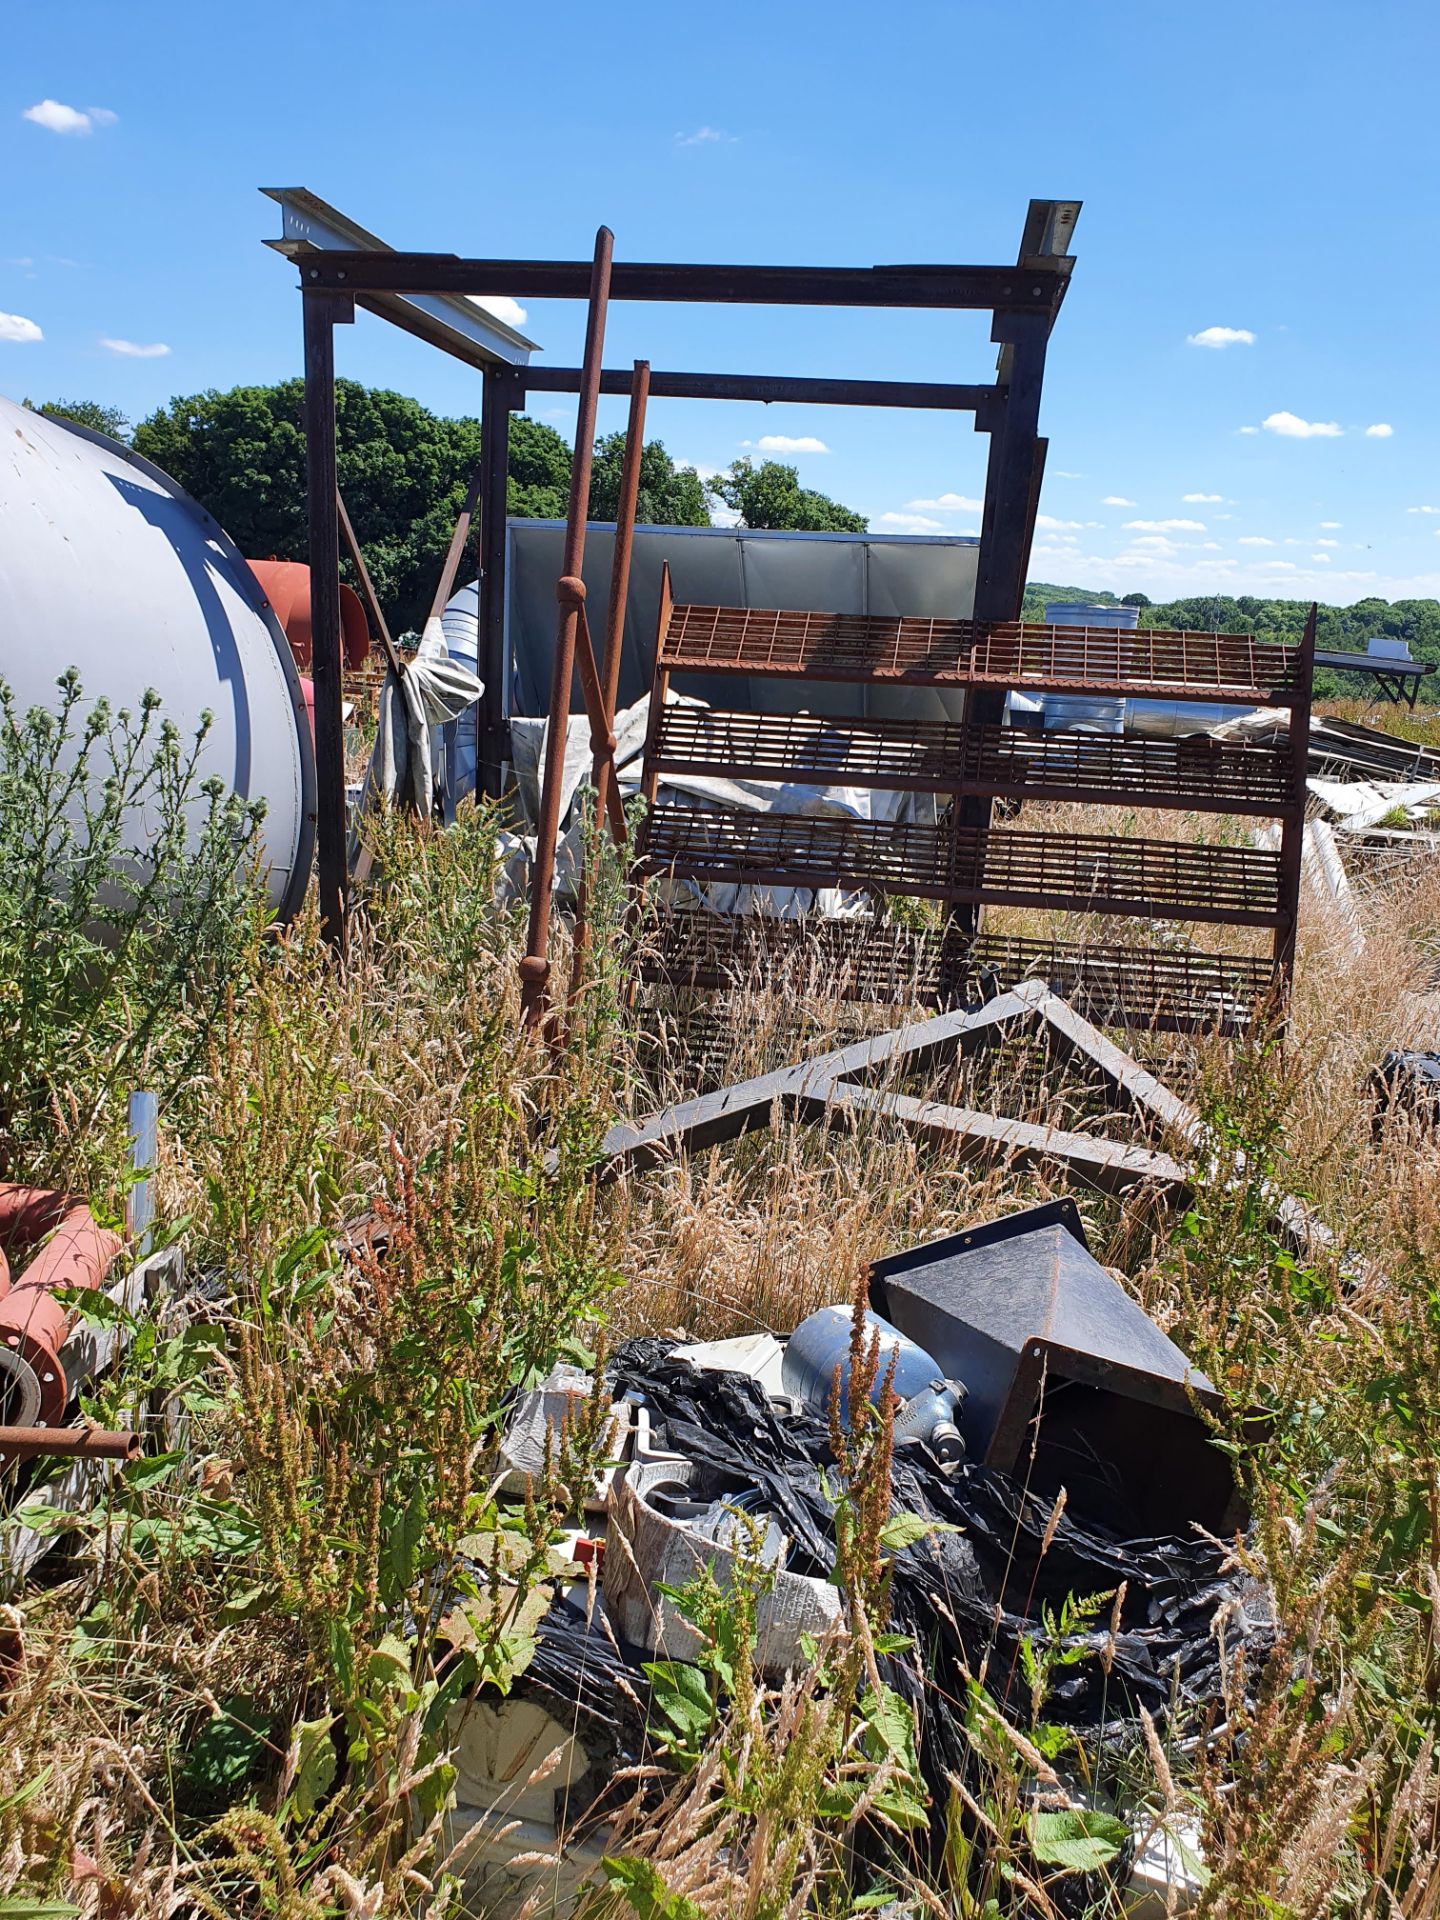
(432, 690)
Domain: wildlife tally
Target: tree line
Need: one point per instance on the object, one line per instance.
(404, 472)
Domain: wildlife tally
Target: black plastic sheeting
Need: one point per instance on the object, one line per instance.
(970, 1596)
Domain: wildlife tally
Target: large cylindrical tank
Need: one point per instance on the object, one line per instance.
(106, 566)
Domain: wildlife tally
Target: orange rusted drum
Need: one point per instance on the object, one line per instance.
(76, 1255)
(287, 587)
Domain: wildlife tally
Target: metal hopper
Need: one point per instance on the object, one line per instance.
(1058, 1359)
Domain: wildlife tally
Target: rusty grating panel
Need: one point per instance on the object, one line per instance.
(815, 646)
(901, 755)
(1184, 666)
(1000, 867)
(1192, 771)
(1098, 873)
(1169, 989)
(869, 647)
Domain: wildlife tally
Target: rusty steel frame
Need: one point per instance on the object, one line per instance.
(1024, 300)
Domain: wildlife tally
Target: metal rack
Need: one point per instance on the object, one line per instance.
(965, 861)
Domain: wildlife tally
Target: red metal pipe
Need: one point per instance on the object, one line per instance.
(76, 1254)
(535, 967)
(286, 585)
(69, 1443)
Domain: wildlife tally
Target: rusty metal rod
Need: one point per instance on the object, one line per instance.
(535, 967)
(69, 1443)
(457, 543)
(367, 590)
(602, 737)
(603, 771)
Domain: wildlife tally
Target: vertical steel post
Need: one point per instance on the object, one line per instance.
(143, 1118)
(490, 613)
(570, 593)
(1011, 497)
(603, 771)
(1292, 826)
(322, 313)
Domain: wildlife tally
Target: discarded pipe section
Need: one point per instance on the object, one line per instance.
(66, 1443)
(74, 1254)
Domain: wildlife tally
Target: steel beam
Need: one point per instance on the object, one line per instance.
(322, 313)
(495, 408)
(1025, 289)
(769, 389)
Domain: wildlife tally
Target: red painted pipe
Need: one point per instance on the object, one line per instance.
(76, 1254)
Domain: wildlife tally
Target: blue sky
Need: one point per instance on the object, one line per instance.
(1268, 169)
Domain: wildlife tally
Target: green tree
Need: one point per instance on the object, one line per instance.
(771, 496)
(539, 471)
(86, 413)
(670, 496)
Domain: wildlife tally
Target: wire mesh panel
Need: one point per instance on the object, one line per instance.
(1193, 771)
(815, 646)
(799, 850)
(1157, 987)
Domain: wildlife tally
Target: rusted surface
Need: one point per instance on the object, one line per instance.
(66, 1443)
(535, 967)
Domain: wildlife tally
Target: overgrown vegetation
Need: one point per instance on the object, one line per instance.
(239, 1693)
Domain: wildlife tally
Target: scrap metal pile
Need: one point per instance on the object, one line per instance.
(1021, 1365)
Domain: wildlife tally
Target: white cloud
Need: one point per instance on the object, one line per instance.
(1382, 430)
(1153, 543)
(500, 307)
(1118, 500)
(1327, 543)
(1201, 499)
(58, 118)
(1051, 525)
(787, 443)
(1322, 558)
(1218, 337)
(1212, 546)
(1165, 526)
(908, 523)
(1340, 523)
(1254, 540)
(706, 137)
(133, 350)
(1278, 566)
(947, 503)
(19, 331)
(1059, 473)
(1249, 429)
(1291, 427)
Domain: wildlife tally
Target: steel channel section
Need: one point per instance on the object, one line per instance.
(492, 744)
(1292, 831)
(1036, 290)
(771, 389)
(322, 313)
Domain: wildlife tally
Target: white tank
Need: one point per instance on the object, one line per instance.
(107, 567)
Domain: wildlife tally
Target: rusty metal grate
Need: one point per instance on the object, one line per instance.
(901, 755)
(1130, 986)
(851, 959)
(1182, 666)
(1122, 770)
(869, 647)
(794, 849)
(1169, 989)
(815, 646)
(1098, 873)
(1069, 873)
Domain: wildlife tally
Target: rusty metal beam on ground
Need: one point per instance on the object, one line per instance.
(1027, 289)
(570, 594)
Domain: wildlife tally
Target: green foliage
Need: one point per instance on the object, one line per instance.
(109, 964)
(771, 496)
(86, 413)
(670, 496)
